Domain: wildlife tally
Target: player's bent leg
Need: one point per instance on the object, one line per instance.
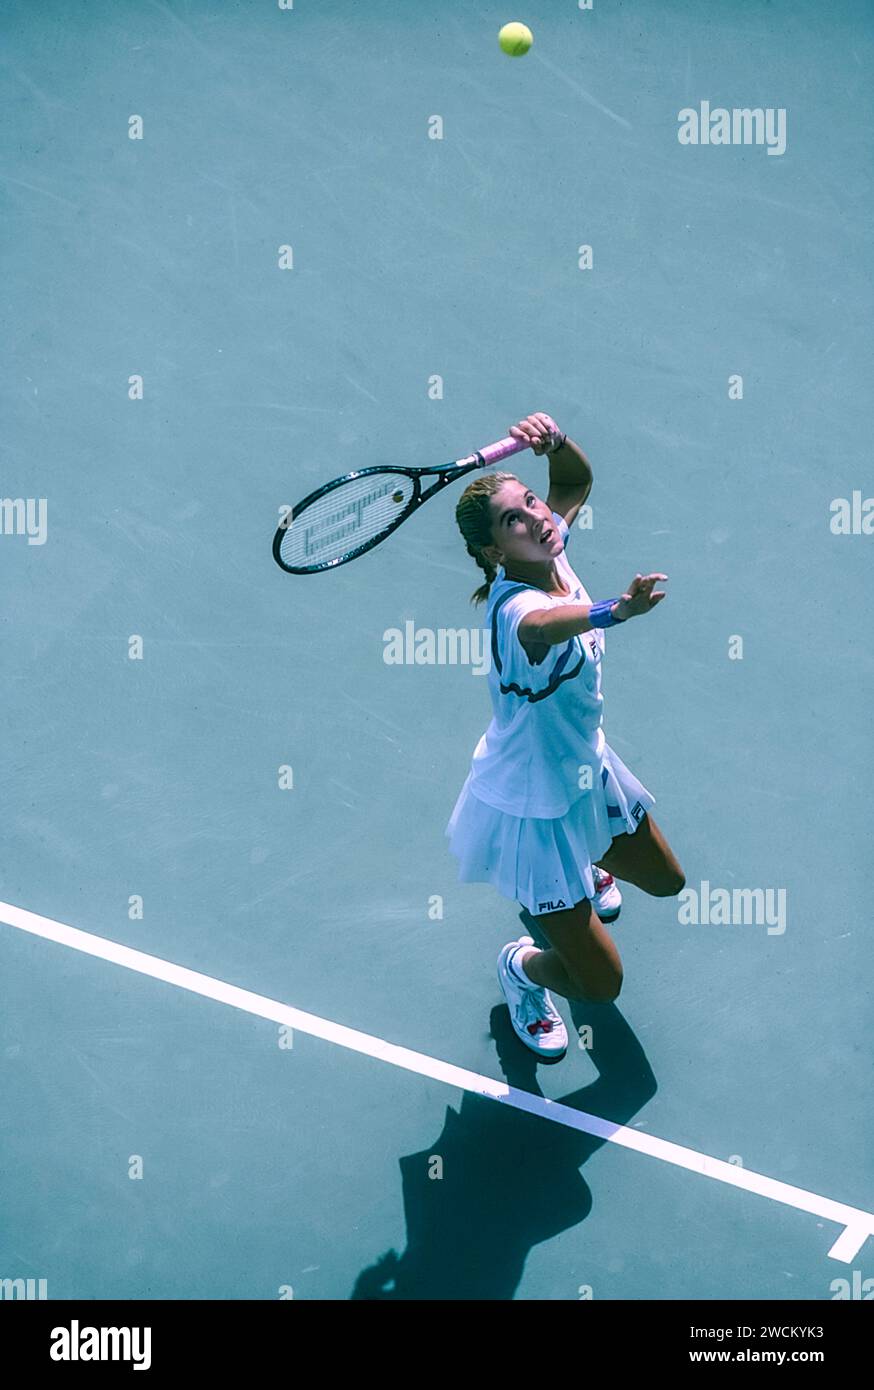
(585, 950)
(646, 860)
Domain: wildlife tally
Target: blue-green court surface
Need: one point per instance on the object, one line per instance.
(253, 1044)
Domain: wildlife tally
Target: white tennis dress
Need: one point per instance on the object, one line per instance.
(545, 794)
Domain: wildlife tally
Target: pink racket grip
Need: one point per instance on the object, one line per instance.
(494, 453)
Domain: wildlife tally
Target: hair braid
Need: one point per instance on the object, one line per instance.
(474, 517)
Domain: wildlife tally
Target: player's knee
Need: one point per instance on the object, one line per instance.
(670, 884)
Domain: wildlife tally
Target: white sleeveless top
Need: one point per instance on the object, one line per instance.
(546, 724)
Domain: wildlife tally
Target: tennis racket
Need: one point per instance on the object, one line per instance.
(345, 518)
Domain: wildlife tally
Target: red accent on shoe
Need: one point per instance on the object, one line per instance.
(606, 880)
(544, 1024)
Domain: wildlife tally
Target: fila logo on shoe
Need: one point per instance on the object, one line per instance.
(551, 906)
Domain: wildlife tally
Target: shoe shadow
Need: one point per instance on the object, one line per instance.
(497, 1181)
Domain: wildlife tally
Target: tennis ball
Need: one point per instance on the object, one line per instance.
(515, 39)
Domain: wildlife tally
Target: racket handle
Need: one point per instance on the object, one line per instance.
(494, 453)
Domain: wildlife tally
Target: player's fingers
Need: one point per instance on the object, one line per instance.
(524, 430)
(520, 434)
(546, 422)
(542, 425)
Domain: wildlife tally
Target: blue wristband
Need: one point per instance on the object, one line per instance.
(600, 615)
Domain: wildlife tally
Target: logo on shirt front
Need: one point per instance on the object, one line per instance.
(637, 812)
(551, 906)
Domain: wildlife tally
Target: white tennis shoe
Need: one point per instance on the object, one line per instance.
(534, 1017)
(608, 899)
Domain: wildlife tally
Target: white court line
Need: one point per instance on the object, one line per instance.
(857, 1224)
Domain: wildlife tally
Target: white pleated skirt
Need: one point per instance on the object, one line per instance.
(546, 865)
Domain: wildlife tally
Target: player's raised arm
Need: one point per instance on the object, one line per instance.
(570, 479)
(570, 473)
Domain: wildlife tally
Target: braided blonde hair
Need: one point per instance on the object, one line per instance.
(474, 517)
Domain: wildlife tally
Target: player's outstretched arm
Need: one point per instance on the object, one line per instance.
(551, 626)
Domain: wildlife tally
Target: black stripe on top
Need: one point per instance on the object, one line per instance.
(559, 673)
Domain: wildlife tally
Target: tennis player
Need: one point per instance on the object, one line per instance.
(549, 813)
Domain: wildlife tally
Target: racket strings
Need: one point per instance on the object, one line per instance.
(345, 518)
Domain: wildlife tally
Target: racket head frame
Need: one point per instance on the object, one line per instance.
(447, 474)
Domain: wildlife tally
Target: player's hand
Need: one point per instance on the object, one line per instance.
(540, 431)
(642, 596)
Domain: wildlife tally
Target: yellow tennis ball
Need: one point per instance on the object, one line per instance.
(515, 39)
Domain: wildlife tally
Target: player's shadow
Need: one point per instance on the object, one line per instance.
(498, 1181)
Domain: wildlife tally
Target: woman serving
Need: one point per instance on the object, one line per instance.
(549, 813)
